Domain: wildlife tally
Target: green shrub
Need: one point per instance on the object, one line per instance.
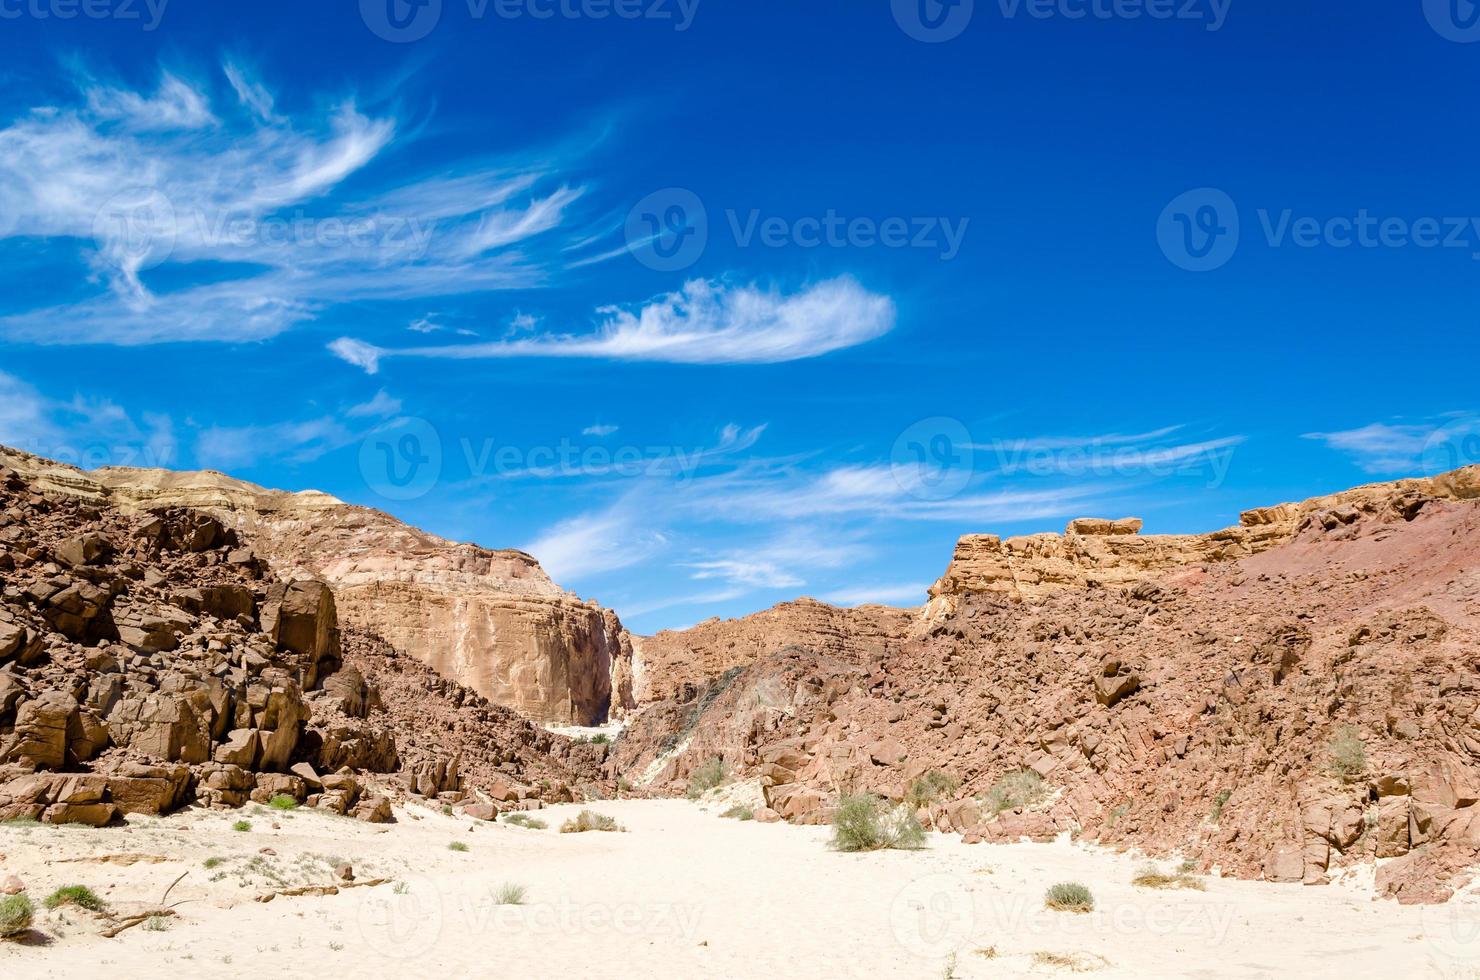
(1219, 802)
(283, 801)
(525, 820)
(1348, 754)
(739, 812)
(458, 846)
(706, 778)
(1022, 788)
(213, 862)
(1069, 896)
(931, 787)
(156, 923)
(864, 823)
(242, 826)
(16, 912)
(588, 820)
(78, 895)
(601, 739)
(509, 894)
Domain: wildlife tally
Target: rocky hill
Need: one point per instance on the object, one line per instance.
(490, 620)
(674, 662)
(1277, 701)
(150, 658)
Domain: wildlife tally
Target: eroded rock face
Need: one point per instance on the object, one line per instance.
(1308, 706)
(671, 663)
(491, 620)
(1094, 552)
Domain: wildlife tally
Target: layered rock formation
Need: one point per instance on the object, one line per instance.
(150, 659)
(1306, 704)
(490, 620)
(675, 662)
(1110, 553)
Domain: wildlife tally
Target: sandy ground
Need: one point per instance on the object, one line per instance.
(683, 893)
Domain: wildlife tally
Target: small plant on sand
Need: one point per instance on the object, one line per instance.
(624, 785)
(156, 923)
(78, 895)
(401, 888)
(1348, 754)
(525, 820)
(1150, 876)
(739, 812)
(213, 862)
(20, 822)
(1069, 896)
(509, 894)
(588, 820)
(458, 846)
(706, 778)
(865, 823)
(283, 801)
(601, 738)
(16, 912)
(948, 972)
(446, 809)
(242, 826)
(931, 787)
(1015, 789)
(1072, 962)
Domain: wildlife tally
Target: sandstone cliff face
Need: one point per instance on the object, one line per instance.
(1104, 553)
(490, 620)
(675, 661)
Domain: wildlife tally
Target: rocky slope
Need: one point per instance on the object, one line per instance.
(150, 659)
(673, 663)
(490, 620)
(1278, 701)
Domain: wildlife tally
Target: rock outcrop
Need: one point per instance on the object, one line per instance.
(677, 662)
(1095, 552)
(149, 659)
(490, 620)
(1308, 703)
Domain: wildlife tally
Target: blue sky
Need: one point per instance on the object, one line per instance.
(712, 305)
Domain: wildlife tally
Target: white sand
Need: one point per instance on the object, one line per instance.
(682, 894)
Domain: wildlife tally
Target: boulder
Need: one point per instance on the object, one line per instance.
(40, 737)
(90, 548)
(160, 726)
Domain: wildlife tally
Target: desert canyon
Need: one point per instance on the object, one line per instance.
(232, 712)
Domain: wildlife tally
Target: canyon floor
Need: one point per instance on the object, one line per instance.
(681, 893)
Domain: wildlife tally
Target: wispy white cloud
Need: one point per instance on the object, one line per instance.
(381, 406)
(598, 430)
(1429, 446)
(784, 561)
(173, 178)
(86, 430)
(616, 537)
(703, 323)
